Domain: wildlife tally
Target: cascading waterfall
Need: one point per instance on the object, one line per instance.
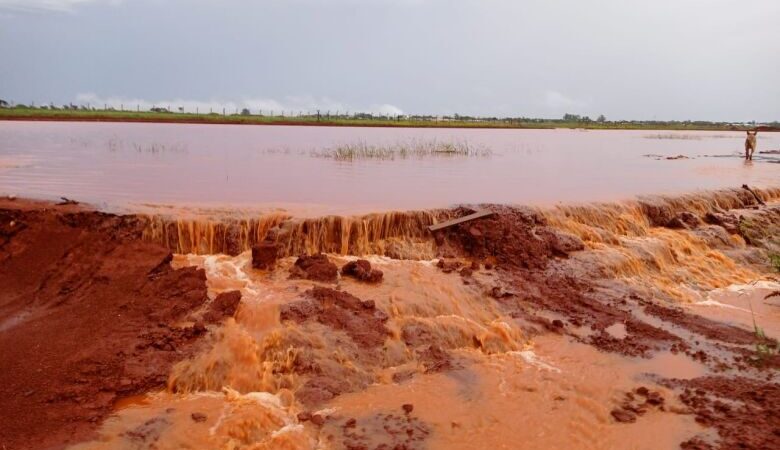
(357, 235)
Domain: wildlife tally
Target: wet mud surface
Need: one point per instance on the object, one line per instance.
(742, 410)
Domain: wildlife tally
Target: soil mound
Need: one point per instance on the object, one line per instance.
(88, 316)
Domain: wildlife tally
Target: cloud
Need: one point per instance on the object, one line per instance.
(289, 105)
(48, 5)
(557, 101)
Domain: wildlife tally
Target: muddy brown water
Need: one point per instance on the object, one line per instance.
(119, 164)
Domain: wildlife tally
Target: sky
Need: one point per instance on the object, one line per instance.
(626, 59)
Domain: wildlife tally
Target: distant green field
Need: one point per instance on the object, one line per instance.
(21, 113)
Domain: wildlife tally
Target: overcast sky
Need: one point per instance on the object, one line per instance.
(627, 59)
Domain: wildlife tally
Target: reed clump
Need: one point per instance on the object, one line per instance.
(410, 150)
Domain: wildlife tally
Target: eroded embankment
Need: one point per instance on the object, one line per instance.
(89, 313)
(382, 233)
(610, 326)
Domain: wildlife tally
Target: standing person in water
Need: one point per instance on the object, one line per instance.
(750, 145)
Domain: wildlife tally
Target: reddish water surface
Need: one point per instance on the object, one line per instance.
(127, 164)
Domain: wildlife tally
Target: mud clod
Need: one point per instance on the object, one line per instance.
(223, 306)
(265, 255)
(362, 271)
(435, 359)
(448, 266)
(623, 416)
(315, 268)
(360, 320)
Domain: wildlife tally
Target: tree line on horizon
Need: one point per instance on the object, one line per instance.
(567, 118)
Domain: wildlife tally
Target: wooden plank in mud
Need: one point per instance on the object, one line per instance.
(470, 217)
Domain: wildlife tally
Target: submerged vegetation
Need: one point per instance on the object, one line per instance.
(416, 149)
(681, 137)
(774, 260)
(688, 137)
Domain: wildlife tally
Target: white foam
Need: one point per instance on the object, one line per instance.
(326, 411)
(761, 284)
(289, 428)
(717, 304)
(530, 357)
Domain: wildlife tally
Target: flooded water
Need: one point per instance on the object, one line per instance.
(129, 164)
(561, 391)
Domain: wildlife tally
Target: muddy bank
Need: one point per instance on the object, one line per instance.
(90, 314)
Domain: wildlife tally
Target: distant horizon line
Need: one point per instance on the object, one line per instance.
(292, 113)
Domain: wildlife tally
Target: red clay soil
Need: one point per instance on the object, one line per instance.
(359, 319)
(363, 326)
(745, 412)
(88, 314)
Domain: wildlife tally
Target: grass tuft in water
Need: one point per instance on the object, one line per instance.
(411, 150)
(765, 346)
(774, 260)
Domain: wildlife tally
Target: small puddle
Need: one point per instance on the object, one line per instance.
(742, 304)
(617, 331)
(671, 365)
(131, 401)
